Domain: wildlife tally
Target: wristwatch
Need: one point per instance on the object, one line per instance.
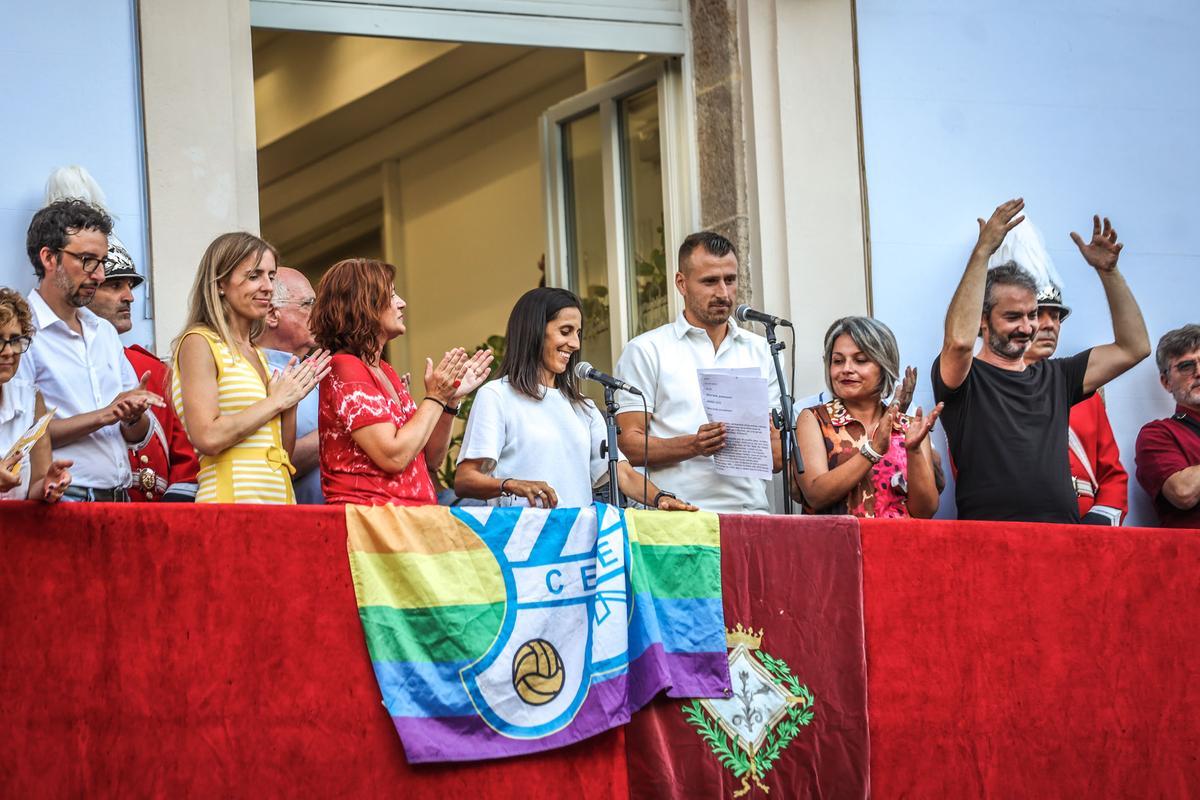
(869, 453)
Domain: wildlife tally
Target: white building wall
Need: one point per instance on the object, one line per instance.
(70, 77)
(1079, 107)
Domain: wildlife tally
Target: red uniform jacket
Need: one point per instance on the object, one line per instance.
(1102, 481)
(167, 459)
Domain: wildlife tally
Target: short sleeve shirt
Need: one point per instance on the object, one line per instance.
(1007, 432)
(551, 440)
(1164, 447)
(663, 363)
(352, 398)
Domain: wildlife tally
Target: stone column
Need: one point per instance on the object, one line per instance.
(720, 143)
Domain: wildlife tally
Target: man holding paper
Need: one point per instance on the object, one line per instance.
(709, 387)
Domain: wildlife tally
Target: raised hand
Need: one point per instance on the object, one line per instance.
(710, 437)
(8, 476)
(538, 494)
(1103, 250)
(58, 478)
(881, 436)
(476, 371)
(442, 381)
(293, 383)
(904, 394)
(919, 427)
(992, 232)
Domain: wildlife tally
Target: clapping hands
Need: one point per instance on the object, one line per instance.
(128, 407)
(293, 383)
(456, 375)
(919, 427)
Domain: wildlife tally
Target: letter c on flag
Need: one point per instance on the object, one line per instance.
(550, 576)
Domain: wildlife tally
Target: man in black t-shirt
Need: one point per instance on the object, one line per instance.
(1006, 421)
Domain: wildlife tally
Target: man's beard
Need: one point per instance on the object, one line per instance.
(73, 297)
(1006, 347)
(711, 315)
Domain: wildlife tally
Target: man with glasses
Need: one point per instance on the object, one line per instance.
(286, 335)
(166, 467)
(1168, 450)
(76, 359)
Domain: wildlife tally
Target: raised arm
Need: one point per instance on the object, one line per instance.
(966, 308)
(1131, 341)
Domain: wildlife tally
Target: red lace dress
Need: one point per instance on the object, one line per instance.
(352, 398)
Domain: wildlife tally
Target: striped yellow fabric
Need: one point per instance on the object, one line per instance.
(255, 469)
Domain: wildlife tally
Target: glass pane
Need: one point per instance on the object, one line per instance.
(641, 168)
(588, 258)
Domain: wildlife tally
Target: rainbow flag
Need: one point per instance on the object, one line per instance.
(500, 631)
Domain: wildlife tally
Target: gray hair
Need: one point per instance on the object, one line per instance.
(876, 340)
(1009, 273)
(1176, 343)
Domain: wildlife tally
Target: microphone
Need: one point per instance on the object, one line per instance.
(745, 313)
(586, 372)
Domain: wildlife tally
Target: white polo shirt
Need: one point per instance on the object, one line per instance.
(663, 363)
(78, 374)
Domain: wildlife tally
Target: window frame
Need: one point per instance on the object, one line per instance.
(678, 185)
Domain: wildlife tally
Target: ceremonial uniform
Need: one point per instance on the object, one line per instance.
(167, 460)
(1101, 483)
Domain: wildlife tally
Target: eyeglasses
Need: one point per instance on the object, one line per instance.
(303, 305)
(19, 344)
(89, 263)
(1185, 368)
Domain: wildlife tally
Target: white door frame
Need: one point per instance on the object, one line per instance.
(680, 203)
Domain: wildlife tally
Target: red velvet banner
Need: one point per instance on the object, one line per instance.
(793, 596)
(213, 651)
(216, 651)
(1020, 660)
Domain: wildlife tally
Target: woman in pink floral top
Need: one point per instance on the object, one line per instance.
(861, 456)
(376, 443)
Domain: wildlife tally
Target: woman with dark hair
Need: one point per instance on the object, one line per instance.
(532, 437)
(376, 442)
(240, 416)
(863, 456)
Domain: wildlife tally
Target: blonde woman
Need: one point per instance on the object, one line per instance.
(240, 417)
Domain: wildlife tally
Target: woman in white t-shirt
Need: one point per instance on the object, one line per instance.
(35, 475)
(532, 437)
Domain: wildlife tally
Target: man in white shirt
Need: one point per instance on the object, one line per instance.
(76, 359)
(663, 364)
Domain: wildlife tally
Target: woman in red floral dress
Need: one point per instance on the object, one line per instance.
(376, 442)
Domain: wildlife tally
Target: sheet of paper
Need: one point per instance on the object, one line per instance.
(28, 439)
(739, 398)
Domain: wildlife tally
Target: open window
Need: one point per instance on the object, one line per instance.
(618, 192)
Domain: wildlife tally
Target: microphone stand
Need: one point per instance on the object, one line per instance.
(608, 448)
(785, 422)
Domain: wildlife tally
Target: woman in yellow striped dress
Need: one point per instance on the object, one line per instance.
(240, 417)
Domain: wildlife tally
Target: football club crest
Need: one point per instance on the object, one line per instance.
(749, 730)
(566, 614)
